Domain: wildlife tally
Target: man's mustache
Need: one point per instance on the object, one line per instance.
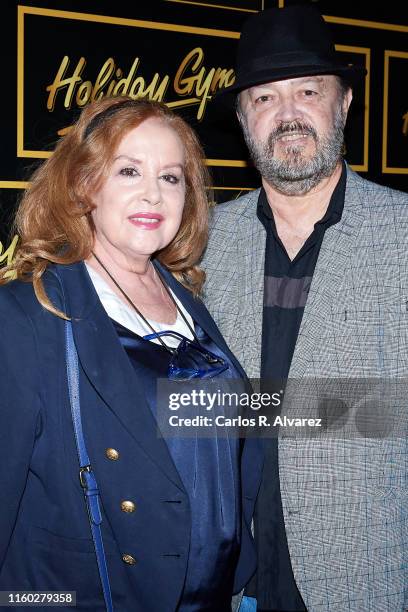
(287, 128)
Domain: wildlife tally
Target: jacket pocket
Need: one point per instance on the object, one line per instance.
(60, 563)
(39, 536)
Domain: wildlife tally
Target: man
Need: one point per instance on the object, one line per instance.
(307, 278)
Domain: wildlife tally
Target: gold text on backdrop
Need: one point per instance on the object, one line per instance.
(8, 254)
(405, 124)
(192, 79)
(105, 84)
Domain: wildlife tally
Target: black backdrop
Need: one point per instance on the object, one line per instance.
(57, 55)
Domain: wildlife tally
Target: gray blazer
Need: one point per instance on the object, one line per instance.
(345, 498)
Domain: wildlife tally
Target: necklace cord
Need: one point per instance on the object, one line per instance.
(133, 305)
(169, 293)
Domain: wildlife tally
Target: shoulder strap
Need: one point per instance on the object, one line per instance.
(86, 475)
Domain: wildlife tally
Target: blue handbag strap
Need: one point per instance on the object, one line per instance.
(86, 475)
(248, 604)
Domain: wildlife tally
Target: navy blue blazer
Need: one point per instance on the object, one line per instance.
(45, 541)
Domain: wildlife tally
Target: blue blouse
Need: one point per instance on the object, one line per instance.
(209, 470)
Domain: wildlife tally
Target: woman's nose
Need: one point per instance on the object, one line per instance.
(151, 190)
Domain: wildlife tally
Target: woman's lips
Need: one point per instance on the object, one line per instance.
(149, 221)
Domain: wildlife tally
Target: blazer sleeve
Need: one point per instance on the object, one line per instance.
(20, 418)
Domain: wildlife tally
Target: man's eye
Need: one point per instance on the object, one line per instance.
(170, 178)
(131, 172)
(310, 93)
(261, 99)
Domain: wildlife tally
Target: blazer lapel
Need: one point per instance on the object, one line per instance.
(253, 240)
(255, 286)
(331, 268)
(108, 367)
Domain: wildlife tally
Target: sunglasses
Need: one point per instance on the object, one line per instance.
(190, 360)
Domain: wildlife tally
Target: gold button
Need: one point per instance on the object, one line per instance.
(112, 454)
(129, 559)
(127, 506)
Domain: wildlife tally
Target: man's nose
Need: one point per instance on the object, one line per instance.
(288, 110)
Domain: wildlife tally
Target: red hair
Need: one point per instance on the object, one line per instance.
(53, 219)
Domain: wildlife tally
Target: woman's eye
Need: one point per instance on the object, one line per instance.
(131, 172)
(170, 178)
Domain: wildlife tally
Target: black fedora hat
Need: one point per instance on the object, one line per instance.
(283, 43)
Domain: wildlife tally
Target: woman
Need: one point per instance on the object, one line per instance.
(111, 231)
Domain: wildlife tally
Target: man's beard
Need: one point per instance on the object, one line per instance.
(294, 174)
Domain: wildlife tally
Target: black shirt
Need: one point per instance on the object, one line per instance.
(286, 288)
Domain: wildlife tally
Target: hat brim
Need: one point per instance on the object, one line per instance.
(351, 74)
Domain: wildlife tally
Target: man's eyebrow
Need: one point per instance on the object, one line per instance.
(263, 85)
(306, 79)
(318, 79)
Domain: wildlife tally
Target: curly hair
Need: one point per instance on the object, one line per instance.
(53, 218)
